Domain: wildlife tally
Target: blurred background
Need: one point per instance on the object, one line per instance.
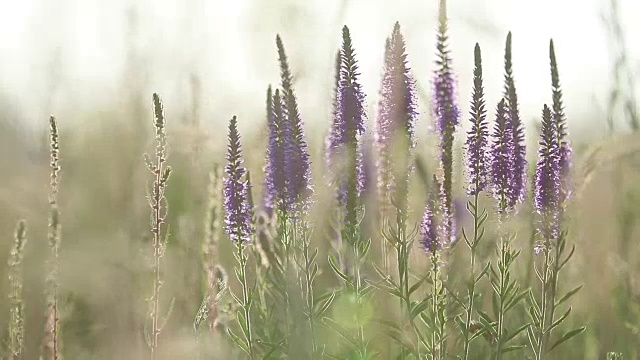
(94, 64)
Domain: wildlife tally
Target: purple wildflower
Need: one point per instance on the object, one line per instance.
(429, 228)
(560, 120)
(397, 116)
(275, 181)
(519, 183)
(297, 167)
(477, 141)
(236, 192)
(547, 177)
(335, 111)
(446, 111)
(502, 160)
(345, 144)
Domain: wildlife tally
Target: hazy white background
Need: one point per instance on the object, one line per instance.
(68, 56)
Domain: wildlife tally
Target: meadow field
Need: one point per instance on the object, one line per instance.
(418, 217)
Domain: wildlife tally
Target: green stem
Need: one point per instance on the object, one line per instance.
(309, 291)
(472, 284)
(246, 305)
(503, 271)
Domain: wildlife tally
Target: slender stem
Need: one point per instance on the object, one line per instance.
(503, 270)
(246, 305)
(157, 253)
(309, 291)
(472, 284)
(554, 283)
(435, 297)
(540, 353)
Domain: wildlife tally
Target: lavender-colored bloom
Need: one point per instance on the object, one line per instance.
(446, 111)
(397, 116)
(236, 192)
(502, 160)
(477, 143)
(298, 166)
(519, 183)
(429, 227)
(547, 177)
(560, 120)
(275, 180)
(345, 145)
(335, 110)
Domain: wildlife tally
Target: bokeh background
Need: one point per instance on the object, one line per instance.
(94, 64)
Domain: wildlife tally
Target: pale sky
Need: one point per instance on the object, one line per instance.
(78, 48)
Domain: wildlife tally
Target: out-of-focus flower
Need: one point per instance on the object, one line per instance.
(236, 190)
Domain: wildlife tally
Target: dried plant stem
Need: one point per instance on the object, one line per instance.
(158, 205)
(16, 321)
(52, 348)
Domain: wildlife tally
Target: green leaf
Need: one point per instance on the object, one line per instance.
(419, 308)
(236, 339)
(330, 323)
(568, 336)
(516, 300)
(513, 348)
(517, 332)
(324, 304)
(568, 295)
(415, 286)
(558, 321)
(336, 269)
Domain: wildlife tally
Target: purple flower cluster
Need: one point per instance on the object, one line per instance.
(560, 120)
(429, 238)
(288, 169)
(236, 190)
(518, 184)
(397, 116)
(446, 111)
(344, 147)
(547, 177)
(275, 180)
(477, 143)
(438, 223)
(502, 160)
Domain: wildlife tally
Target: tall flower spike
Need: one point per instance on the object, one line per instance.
(477, 141)
(547, 177)
(560, 120)
(519, 184)
(396, 120)
(275, 180)
(236, 193)
(297, 167)
(345, 146)
(446, 111)
(429, 238)
(502, 160)
(335, 111)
